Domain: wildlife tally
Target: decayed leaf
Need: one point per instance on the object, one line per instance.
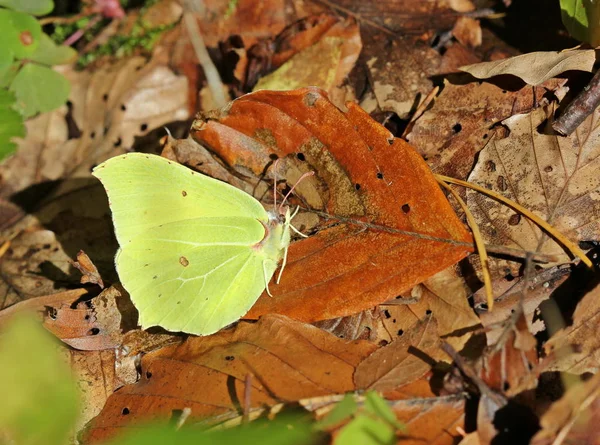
(94, 372)
(32, 266)
(461, 121)
(242, 17)
(577, 347)
(574, 418)
(508, 294)
(375, 188)
(434, 420)
(506, 366)
(89, 272)
(444, 296)
(324, 64)
(537, 67)
(552, 176)
(110, 107)
(391, 73)
(95, 325)
(402, 361)
(287, 361)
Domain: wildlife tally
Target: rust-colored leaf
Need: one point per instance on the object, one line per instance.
(287, 360)
(388, 226)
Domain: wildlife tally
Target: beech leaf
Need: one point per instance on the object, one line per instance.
(555, 177)
(286, 359)
(537, 67)
(387, 224)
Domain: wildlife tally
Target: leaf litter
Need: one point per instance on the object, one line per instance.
(383, 318)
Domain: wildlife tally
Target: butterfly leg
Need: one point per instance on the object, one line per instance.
(266, 279)
(285, 252)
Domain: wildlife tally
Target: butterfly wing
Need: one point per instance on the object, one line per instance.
(146, 191)
(190, 255)
(197, 275)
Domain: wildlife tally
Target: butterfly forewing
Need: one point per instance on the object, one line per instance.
(145, 191)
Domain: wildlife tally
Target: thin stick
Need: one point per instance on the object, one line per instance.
(572, 247)
(210, 71)
(483, 256)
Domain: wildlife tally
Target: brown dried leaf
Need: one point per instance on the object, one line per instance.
(468, 31)
(324, 64)
(580, 339)
(461, 121)
(402, 361)
(434, 421)
(444, 296)
(287, 360)
(555, 177)
(537, 67)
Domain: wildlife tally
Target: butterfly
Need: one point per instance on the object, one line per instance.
(195, 253)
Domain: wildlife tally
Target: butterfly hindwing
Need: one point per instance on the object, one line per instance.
(196, 275)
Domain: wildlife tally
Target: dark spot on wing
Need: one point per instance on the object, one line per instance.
(184, 261)
(183, 193)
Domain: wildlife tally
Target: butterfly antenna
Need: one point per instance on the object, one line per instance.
(275, 182)
(304, 176)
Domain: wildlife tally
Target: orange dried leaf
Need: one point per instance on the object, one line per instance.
(389, 225)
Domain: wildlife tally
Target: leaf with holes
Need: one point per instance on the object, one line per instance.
(385, 225)
(285, 359)
(555, 177)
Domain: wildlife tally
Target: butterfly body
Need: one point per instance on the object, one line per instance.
(195, 253)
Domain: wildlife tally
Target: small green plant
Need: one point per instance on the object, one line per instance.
(373, 424)
(582, 19)
(26, 57)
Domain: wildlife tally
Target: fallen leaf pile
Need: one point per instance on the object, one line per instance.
(381, 300)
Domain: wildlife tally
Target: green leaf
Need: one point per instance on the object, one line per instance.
(49, 53)
(377, 405)
(21, 33)
(35, 7)
(364, 430)
(39, 89)
(11, 124)
(290, 431)
(582, 19)
(340, 413)
(39, 399)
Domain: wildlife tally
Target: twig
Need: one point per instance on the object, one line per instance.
(568, 244)
(213, 79)
(581, 107)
